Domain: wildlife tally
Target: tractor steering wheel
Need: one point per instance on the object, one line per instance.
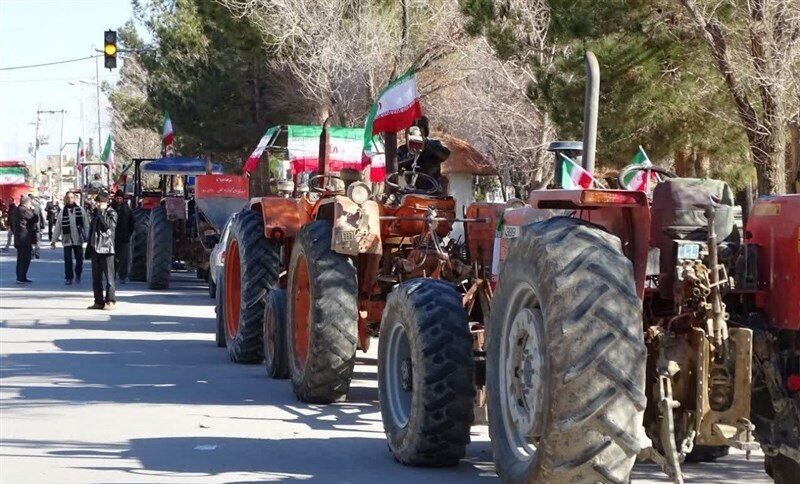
(317, 187)
(409, 187)
(648, 169)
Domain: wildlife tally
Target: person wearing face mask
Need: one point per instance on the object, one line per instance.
(72, 226)
(100, 248)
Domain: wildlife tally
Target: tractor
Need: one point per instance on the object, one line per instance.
(178, 221)
(626, 326)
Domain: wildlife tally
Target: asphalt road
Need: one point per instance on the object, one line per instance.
(143, 395)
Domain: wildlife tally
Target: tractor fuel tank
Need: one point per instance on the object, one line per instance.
(774, 225)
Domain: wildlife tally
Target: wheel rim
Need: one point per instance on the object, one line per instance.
(398, 375)
(301, 314)
(522, 357)
(233, 289)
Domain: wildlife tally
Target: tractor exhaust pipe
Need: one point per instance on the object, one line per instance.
(591, 104)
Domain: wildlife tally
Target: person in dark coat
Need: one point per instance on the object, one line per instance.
(12, 214)
(26, 233)
(122, 236)
(72, 227)
(51, 211)
(101, 249)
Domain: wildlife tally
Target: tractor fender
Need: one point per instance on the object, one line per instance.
(356, 228)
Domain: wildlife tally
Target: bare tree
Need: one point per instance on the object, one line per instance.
(755, 45)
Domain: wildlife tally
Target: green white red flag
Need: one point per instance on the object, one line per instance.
(80, 156)
(107, 156)
(573, 176)
(167, 133)
(395, 109)
(12, 175)
(303, 145)
(252, 161)
(637, 180)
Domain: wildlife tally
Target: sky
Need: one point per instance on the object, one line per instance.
(41, 31)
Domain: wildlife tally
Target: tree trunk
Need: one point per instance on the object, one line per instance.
(769, 157)
(682, 166)
(793, 157)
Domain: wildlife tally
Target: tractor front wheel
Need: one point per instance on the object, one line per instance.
(275, 361)
(159, 249)
(566, 358)
(250, 272)
(322, 317)
(141, 228)
(426, 373)
(219, 310)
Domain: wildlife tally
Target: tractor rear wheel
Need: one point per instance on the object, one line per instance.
(322, 316)
(141, 227)
(219, 310)
(566, 358)
(426, 373)
(250, 272)
(275, 361)
(159, 249)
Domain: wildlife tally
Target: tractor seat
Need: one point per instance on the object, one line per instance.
(679, 205)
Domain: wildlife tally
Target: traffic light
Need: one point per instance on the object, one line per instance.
(110, 48)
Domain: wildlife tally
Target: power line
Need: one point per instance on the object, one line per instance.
(48, 63)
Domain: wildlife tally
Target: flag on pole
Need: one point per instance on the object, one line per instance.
(636, 180)
(395, 109)
(573, 176)
(252, 161)
(167, 134)
(80, 156)
(107, 156)
(344, 148)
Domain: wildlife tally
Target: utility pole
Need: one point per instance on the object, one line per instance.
(97, 86)
(39, 113)
(36, 145)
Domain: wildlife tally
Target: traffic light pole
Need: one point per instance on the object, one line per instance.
(97, 87)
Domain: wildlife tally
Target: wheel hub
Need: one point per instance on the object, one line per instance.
(406, 375)
(524, 378)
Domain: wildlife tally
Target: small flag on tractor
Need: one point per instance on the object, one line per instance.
(107, 156)
(636, 180)
(396, 108)
(252, 161)
(80, 156)
(167, 134)
(573, 176)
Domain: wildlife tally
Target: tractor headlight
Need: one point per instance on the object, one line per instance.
(358, 192)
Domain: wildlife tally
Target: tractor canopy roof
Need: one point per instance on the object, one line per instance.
(180, 165)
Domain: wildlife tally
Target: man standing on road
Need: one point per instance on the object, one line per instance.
(72, 226)
(101, 249)
(37, 207)
(51, 210)
(26, 232)
(12, 215)
(122, 236)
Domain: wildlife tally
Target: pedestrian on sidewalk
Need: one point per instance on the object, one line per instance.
(72, 226)
(12, 216)
(26, 231)
(51, 211)
(100, 248)
(122, 236)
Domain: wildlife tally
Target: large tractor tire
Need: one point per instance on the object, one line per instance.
(141, 227)
(250, 272)
(219, 310)
(159, 249)
(322, 317)
(426, 373)
(275, 360)
(566, 358)
(782, 469)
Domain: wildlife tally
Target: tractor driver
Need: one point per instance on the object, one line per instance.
(429, 161)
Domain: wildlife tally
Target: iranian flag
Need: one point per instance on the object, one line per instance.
(252, 161)
(12, 175)
(395, 109)
(80, 156)
(303, 146)
(167, 134)
(573, 176)
(107, 156)
(637, 180)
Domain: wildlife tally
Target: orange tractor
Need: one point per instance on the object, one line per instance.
(625, 326)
